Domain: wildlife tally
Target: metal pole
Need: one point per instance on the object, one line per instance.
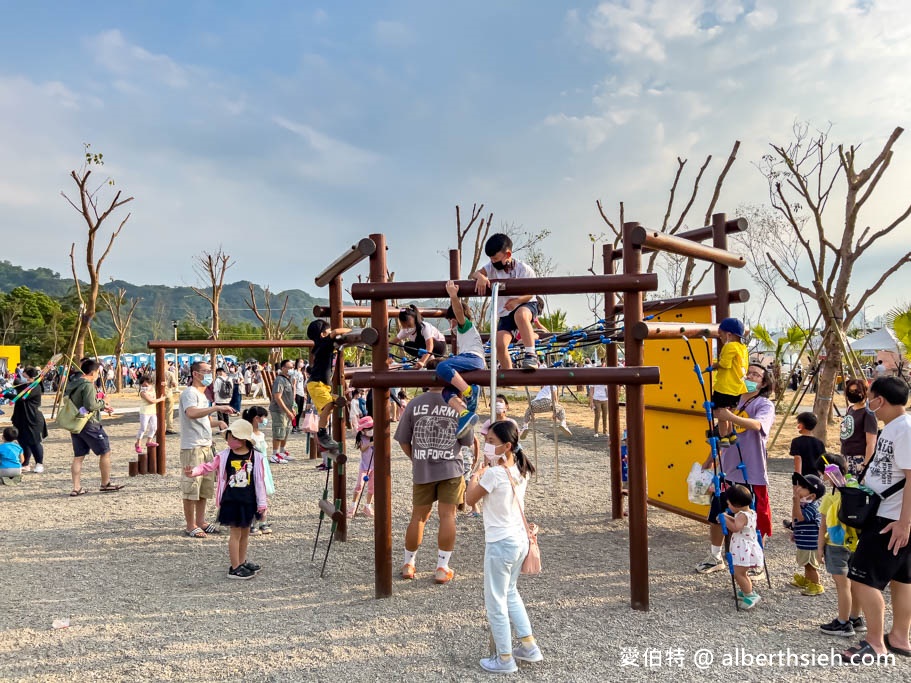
(494, 298)
(382, 521)
(635, 429)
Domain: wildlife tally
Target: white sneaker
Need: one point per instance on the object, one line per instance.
(39, 469)
(495, 665)
(525, 653)
(276, 459)
(565, 428)
(287, 456)
(597, 435)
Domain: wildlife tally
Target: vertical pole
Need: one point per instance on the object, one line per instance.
(635, 428)
(494, 297)
(613, 393)
(382, 522)
(338, 421)
(721, 273)
(161, 383)
(455, 268)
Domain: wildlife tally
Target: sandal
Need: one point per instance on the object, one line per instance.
(212, 529)
(900, 651)
(855, 655)
(195, 533)
(77, 492)
(111, 486)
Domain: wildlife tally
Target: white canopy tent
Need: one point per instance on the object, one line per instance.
(882, 339)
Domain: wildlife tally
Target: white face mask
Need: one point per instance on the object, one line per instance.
(501, 407)
(491, 455)
(806, 499)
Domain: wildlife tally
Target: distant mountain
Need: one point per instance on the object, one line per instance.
(160, 304)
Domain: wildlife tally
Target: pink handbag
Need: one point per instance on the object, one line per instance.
(310, 422)
(532, 563)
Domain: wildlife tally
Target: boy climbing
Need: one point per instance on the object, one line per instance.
(318, 386)
(515, 313)
(731, 368)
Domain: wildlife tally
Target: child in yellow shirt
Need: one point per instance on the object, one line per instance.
(731, 368)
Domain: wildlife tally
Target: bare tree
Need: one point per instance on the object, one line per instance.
(482, 229)
(211, 269)
(273, 328)
(683, 271)
(87, 206)
(802, 176)
(122, 311)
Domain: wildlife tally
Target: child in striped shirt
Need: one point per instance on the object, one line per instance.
(805, 531)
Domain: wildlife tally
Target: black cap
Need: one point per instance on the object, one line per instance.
(811, 483)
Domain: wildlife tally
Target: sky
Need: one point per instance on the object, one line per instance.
(286, 131)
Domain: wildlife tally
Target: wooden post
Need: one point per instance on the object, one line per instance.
(161, 387)
(338, 419)
(455, 266)
(553, 411)
(382, 522)
(613, 395)
(635, 430)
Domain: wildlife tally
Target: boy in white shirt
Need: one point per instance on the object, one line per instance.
(516, 313)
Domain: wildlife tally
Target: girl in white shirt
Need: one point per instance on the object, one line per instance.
(421, 339)
(507, 544)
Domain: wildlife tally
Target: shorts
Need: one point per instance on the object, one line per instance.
(449, 491)
(508, 322)
(281, 425)
(196, 488)
(873, 563)
(720, 400)
(320, 394)
(837, 559)
(92, 438)
(807, 557)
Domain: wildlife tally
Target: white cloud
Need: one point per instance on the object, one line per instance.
(329, 160)
(114, 53)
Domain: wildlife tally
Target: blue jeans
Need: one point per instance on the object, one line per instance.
(502, 565)
(447, 369)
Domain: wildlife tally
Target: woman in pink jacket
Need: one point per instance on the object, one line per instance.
(240, 493)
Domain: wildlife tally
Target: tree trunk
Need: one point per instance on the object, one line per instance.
(831, 367)
(118, 365)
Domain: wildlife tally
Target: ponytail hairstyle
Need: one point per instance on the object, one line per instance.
(411, 311)
(254, 411)
(507, 432)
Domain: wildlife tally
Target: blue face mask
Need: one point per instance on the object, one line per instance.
(264, 422)
(751, 385)
(207, 379)
(868, 408)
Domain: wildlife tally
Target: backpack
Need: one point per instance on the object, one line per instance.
(225, 390)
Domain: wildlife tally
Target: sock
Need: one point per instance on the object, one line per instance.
(443, 558)
(528, 640)
(463, 413)
(529, 350)
(842, 622)
(467, 392)
(409, 556)
(716, 552)
(506, 658)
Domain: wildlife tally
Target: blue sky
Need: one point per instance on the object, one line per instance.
(287, 130)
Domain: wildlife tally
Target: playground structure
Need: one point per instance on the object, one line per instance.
(671, 417)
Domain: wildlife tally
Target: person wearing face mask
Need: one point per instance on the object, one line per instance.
(858, 428)
(753, 418)
(501, 484)
(516, 313)
(364, 441)
(501, 409)
(240, 493)
(883, 555)
(804, 526)
(196, 422)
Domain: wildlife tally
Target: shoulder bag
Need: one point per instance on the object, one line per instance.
(860, 504)
(532, 563)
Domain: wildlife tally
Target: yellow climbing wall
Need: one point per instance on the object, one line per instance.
(675, 421)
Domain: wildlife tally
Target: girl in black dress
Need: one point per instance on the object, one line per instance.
(240, 493)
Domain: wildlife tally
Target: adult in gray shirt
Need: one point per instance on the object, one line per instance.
(281, 406)
(427, 434)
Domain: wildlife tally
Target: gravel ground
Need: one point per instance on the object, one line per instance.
(145, 602)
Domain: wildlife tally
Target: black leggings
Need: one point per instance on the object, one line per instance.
(30, 449)
(299, 400)
(413, 350)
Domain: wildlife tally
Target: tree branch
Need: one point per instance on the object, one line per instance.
(724, 172)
